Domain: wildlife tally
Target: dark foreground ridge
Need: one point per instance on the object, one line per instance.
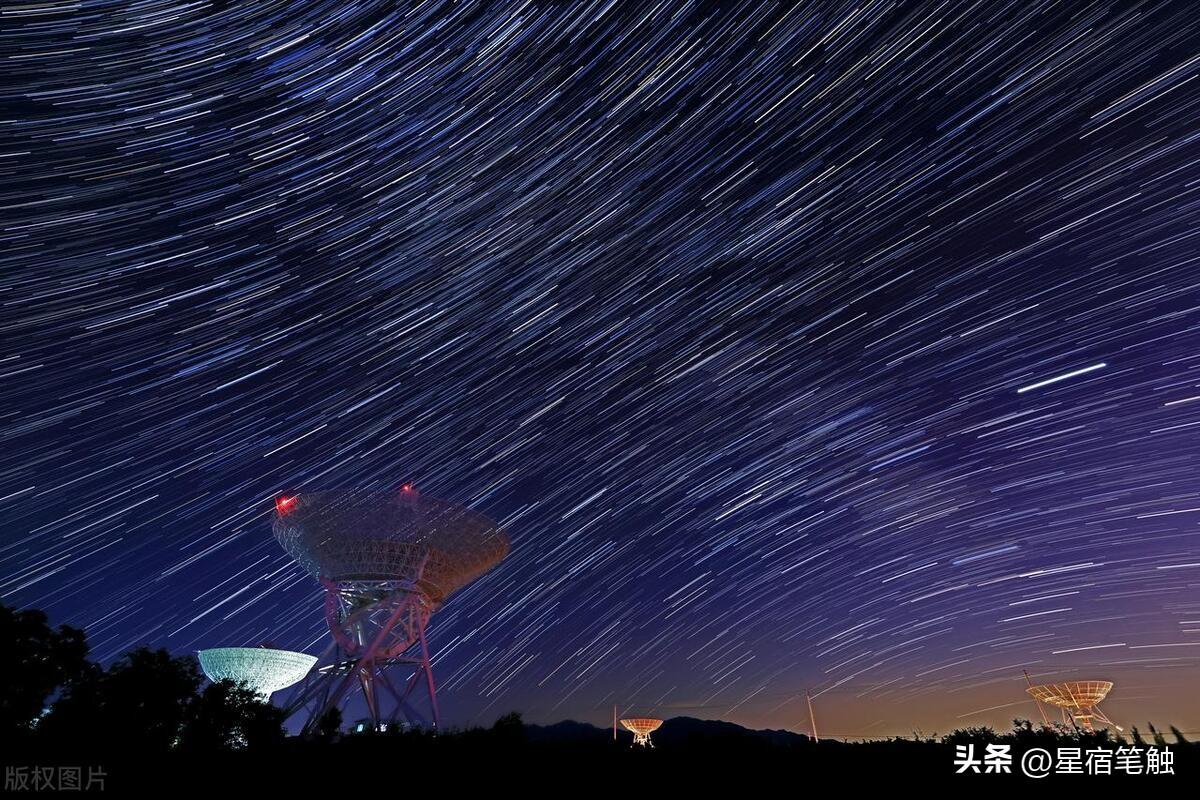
(565, 757)
(149, 722)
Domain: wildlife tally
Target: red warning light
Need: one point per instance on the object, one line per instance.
(408, 487)
(285, 503)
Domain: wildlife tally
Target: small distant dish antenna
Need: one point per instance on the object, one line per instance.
(642, 728)
(263, 670)
(1079, 701)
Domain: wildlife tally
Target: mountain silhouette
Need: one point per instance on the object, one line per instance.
(675, 732)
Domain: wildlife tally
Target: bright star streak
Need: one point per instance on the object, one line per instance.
(1062, 377)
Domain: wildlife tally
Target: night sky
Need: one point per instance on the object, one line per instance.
(745, 320)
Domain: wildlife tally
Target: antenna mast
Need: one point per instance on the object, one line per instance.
(1029, 683)
(811, 719)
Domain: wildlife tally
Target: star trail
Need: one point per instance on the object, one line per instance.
(843, 346)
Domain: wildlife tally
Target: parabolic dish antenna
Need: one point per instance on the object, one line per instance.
(263, 670)
(389, 536)
(642, 727)
(1078, 699)
(387, 560)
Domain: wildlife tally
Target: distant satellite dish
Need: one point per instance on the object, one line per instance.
(263, 670)
(641, 728)
(1078, 699)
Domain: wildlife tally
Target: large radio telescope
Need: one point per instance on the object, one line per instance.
(263, 670)
(642, 727)
(387, 561)
(1078, 700)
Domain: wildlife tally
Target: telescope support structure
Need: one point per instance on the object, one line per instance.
(378, 630)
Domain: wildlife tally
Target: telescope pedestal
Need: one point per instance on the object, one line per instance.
(374, 624)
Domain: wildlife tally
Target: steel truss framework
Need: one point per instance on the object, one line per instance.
(1084, 716)
(387, 561)
(378, 632)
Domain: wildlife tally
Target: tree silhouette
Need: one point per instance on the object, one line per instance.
(509, 729)
(141, 702)
(227, 716)
(329, 725)
(150, 701)
(37, 661)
